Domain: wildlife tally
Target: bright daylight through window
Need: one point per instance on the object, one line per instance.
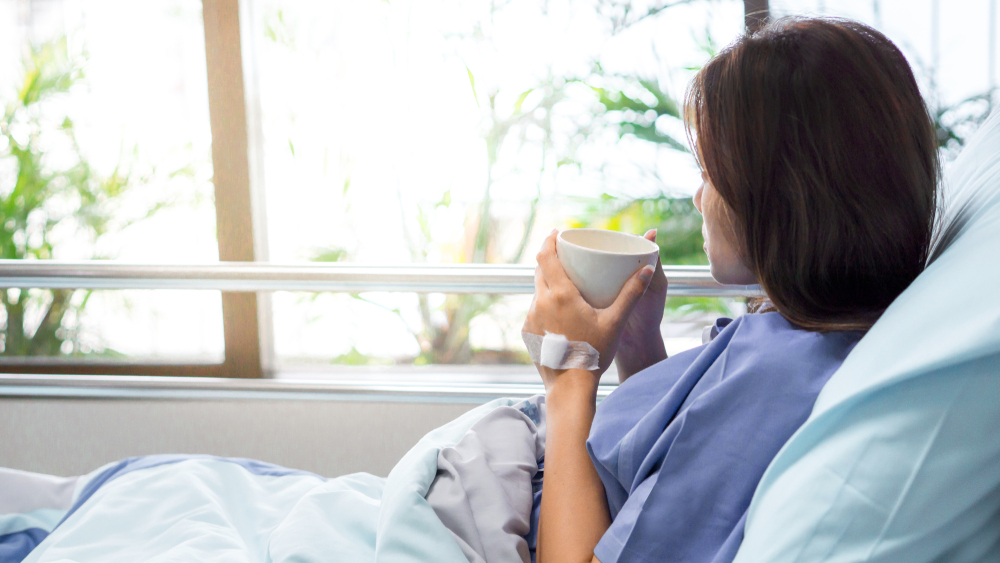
(105, 153)
(463, 132)
(393, 133)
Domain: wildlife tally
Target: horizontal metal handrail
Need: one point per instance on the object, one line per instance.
(191, 388)
(341, 277)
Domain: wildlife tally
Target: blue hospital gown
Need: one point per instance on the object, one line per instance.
(681, 445)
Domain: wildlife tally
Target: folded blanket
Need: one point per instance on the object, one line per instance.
(204, 508)
(483, 490)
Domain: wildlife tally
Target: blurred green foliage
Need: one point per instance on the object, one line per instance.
(956, 123)
(632, 114)
(633, 107)
(628, 105)
(676, 220)
(355, 358)
(48, 188)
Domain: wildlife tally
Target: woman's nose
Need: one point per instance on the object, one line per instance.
(697, 198)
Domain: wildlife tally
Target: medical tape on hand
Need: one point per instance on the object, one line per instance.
(557, 352)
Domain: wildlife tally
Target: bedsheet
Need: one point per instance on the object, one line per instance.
(205, 508)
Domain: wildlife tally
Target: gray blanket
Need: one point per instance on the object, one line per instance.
(483, 488)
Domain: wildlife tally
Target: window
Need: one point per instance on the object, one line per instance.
(391, 168)
(447, 132)
(105, 153)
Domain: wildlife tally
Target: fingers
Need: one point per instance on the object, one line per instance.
(659, 278)
(552, 269)
(651, 237)
(541, 287)
(630, 295)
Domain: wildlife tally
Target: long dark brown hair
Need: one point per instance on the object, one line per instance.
(815, 135)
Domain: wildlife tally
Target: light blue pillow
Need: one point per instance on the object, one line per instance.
(900, 459)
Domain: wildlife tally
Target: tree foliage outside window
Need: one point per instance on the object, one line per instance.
(546, 118)
(49, 194)
(50, 191)
(955, 124)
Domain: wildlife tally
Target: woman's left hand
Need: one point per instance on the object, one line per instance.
(559, 308)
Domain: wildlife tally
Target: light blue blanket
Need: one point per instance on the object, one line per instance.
(201, 508)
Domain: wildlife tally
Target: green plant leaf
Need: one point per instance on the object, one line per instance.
(472, 82)
(328, 255)
(521, 98)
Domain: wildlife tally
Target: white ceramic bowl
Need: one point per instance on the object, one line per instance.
(599, 262)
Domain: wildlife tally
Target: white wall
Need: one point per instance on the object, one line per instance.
(328, 437)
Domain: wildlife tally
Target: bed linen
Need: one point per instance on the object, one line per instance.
(485, 491)
(205, 508)
(31, 505)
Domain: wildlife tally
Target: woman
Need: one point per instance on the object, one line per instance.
(819, 176)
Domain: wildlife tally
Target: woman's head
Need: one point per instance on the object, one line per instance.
(820, 166)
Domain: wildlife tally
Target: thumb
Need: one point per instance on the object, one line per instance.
(630, 294)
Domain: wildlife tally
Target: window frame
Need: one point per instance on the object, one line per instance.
(234, 113)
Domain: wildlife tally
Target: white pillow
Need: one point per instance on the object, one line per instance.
(900, 459)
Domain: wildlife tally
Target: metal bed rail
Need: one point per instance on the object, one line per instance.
(57, 386)
(120, 381)
(261, 276)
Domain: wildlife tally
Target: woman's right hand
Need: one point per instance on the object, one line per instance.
(641, 344)
(559, 308)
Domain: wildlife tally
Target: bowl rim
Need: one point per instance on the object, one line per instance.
(655, 249)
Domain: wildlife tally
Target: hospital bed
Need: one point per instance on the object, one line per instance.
(900, 460)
